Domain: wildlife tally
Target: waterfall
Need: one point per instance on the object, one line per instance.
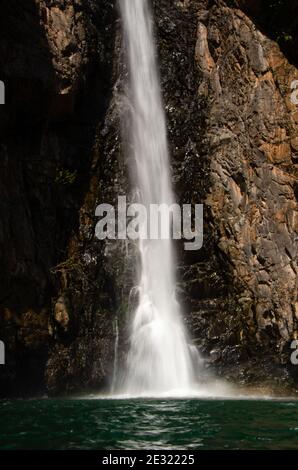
(159, 359)
(115, 368)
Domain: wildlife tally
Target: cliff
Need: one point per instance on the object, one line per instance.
(226, 71)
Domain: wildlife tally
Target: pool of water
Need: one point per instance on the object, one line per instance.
(148, 424)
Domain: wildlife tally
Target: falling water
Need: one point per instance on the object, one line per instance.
(115, 368)
(159, 359)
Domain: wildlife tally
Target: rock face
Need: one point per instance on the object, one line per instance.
(250, 126)
(226, 80)
(56, 62)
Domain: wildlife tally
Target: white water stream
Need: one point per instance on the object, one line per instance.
(159, 359)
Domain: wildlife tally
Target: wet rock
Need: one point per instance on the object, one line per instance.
(232, 132)
(55, 59)
(61, 314)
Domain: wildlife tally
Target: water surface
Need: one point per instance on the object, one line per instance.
(148, 424)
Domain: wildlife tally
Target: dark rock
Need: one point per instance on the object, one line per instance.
(232, 131)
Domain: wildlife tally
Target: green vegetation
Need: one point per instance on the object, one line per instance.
(70, 264)
(279, 15)
(284, 37)
(65, 177)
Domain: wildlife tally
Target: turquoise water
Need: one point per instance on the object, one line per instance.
(148, 424)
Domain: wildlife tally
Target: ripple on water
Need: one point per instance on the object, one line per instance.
(148, 424)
